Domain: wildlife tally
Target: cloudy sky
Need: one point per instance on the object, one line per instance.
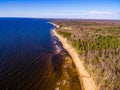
(78, 9)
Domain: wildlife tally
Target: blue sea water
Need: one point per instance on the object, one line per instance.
(32, 58)
(26, 55)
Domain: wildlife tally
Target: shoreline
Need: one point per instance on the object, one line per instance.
(57, 26)
(86, 81)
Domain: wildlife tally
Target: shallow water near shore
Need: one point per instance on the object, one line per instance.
(32, 58)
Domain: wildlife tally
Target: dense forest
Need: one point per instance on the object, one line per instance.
(98, 45)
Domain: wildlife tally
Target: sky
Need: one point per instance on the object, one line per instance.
(74, 9)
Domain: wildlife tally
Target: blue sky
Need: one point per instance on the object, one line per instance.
(78, 9)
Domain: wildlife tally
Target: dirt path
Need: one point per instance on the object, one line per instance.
(85, 79)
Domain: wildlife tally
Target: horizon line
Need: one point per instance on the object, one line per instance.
(59, 18)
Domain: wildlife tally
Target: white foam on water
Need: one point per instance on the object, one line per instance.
(58, 49)
(56, 43)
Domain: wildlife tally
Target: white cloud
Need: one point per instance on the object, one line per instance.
(78, 14)
(94, 14)
(100, 14)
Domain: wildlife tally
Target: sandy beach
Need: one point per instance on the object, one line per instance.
(84, 77)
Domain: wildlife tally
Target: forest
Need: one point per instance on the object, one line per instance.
(98, 45)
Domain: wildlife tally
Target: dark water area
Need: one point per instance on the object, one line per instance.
(29, 59)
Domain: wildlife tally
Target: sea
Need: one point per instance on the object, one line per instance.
(32, 58)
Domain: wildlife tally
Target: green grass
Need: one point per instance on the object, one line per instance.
(65, 34)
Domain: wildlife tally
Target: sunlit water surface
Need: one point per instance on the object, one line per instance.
(31, 57)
